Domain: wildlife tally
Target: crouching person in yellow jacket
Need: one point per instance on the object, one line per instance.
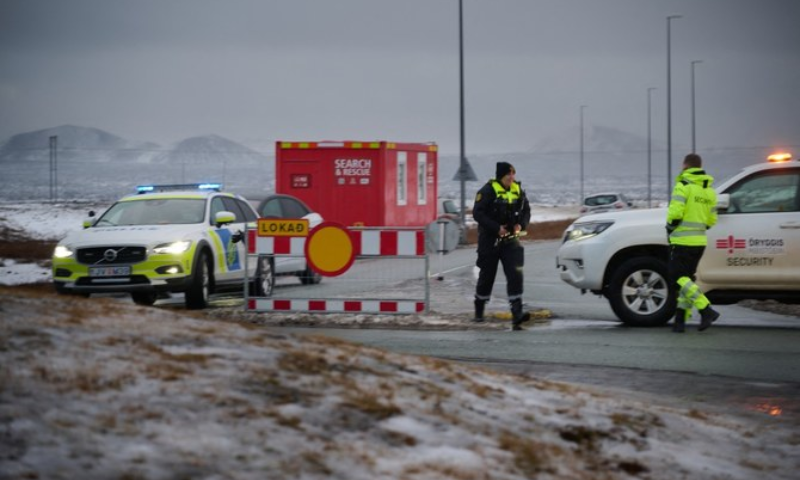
(692, 211)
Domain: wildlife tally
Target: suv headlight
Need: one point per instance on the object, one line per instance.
(172, 248)
(582, 231)
(62, 251)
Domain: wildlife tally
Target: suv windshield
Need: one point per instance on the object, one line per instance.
(160, 211)
(600, 200)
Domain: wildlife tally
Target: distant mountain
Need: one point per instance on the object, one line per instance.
(596, 138)
(212, 150)
(76, 144)
(93, 163)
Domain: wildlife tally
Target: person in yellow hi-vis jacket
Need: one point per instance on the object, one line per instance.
(692, 211)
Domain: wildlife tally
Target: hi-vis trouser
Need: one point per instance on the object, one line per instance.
(683, 265)
(689, 295)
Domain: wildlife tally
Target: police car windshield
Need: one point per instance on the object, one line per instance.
(156, 211)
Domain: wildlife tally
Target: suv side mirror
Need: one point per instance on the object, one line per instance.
(723, 201)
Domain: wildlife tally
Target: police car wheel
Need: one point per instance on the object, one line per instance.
(310, 277)
(200, 287)
(640, 292)
(144, 298)
(265, 277)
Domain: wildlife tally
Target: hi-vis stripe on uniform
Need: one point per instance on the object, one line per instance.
(385, 243)
(336, 306)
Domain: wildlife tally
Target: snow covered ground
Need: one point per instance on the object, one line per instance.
(99, 389)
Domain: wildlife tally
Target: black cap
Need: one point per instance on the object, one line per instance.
(503, 169)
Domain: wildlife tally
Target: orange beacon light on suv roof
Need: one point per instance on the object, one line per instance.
(779, 157)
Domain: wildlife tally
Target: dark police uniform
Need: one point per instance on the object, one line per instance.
(495, 206)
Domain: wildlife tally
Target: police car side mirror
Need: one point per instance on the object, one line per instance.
(224, 218)
(723, 201)
(89, 220)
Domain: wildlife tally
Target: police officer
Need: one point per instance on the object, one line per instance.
(502, 212)
(692, 211)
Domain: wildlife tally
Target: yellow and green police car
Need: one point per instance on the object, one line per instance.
(164, 239)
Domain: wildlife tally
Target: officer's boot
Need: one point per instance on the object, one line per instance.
(680, 321)
(479, 307)
(707, 316)
(517, 316)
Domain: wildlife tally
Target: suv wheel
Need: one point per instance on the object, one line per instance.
(265, 277)
(200, 287)
(640, 292)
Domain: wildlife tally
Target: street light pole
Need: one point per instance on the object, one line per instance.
(53, 168)
(582, 196)
(694, 130)
(649, 150)
(669, 104)
(462, 162)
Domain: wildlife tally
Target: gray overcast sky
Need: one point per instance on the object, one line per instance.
(163, 70)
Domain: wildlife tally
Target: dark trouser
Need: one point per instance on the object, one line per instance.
(683, 261)
(512, 255)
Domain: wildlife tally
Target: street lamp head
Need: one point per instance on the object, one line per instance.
(674, 16)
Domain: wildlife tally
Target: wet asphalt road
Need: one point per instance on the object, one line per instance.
(748, 363)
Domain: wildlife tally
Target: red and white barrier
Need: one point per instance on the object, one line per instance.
(366, 243)
(336, 305)
(384, 243)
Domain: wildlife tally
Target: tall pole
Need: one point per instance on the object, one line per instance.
(649, 150)
(53, 168)
(694, 129)
(462, 162)
(669, 105)
(582, 195)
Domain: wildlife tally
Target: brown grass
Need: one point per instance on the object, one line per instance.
(370, 404)
(15, 245)
(530, 456)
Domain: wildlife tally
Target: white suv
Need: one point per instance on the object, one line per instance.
(753, 252)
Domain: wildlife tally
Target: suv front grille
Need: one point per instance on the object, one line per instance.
(111, 255)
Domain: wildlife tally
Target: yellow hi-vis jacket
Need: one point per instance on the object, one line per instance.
(511, 195)
(692, 208)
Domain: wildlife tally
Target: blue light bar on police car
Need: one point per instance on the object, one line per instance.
(179, 186)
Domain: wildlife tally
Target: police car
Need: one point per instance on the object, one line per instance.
(753, 252)
(165, 238)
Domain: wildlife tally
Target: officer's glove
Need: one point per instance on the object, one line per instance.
(237, 237)
(670, 229)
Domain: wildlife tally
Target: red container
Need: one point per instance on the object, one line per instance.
(361, 183)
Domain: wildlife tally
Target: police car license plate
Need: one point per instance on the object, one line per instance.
(109, 271)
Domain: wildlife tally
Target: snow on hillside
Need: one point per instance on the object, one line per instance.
(98, 389)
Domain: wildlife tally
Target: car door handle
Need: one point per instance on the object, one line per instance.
(790, 225)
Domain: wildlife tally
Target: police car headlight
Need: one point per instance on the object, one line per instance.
(582, 231)
(173, 248)
(62, 251)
